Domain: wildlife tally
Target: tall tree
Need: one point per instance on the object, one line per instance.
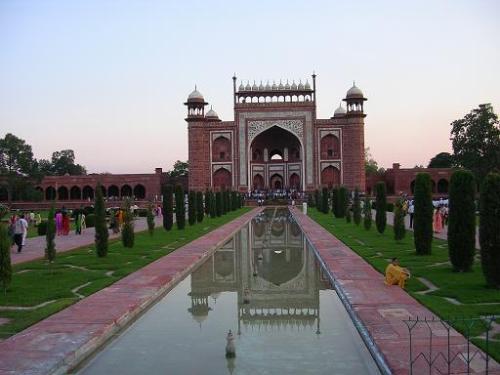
(168, 207)
(367, 213)
(63, 162)
(371, 166)
(422, 222)
(180, 208)
(50, 234)
(324, 200)
(213, 206)
(399, 221)
(180, 169)
(218, 203)
(101, 229)
(441, 160)
(128, 236)
(5, 262)
(489, 229)
(476, 141)
(342, 201)
(335, 201)
(191, 207)
(380, 206)
(356, 207)
(150, 219)
(462, 221)
(200, 210)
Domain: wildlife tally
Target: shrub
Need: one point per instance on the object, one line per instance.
(42, 228)
(207, 202)
(310, 200)
(317, 200)
(218, 204)
(200, 210)
(101, 230)
(90, 221)
(422, 219)
(342, 201)
(234, 200)
(227, 201)
(367, 213)
(168, 207)
(348, 215)
(191, 207)
(50, 245)
(335, 201)
(489, 229)
(128, 236)
(380, 206)
(324, 200)
(150, 219)
(223, 202)
(462, 221)
(5, 262)
(356, 207)
(399, 221)
(180, 208)
(213, 206)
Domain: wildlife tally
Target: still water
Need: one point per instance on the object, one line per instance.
(266, 286)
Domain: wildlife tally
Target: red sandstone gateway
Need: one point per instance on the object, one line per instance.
(275, 140)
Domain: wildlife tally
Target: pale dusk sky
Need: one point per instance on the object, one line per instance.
(108, 78)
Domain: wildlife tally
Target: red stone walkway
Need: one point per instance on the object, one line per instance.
(35, 246)
(381, 309)
(61, 341)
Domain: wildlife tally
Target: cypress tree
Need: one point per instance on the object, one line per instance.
(101, 229)
(50, 234)
(380, 206)
(310, 200)
(228, 201)
(348, 218)
(128, 235)
(168, 207)
(489, 229)
(335, 201)
(218, 203)
(213, 206)
(180, 208)
(191, 207)
(422, 219)
(399, 221)
(342, 201)
(324, 200)
(200, 210)
(207, 202)
(317, 200)
(223, 201)
(150, 219)
(367, 213)
(356, 208)
(5, 262)
(462, 221)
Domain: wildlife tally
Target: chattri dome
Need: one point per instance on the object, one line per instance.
(196, 95)
(340, 111)
(212, 114)
(354, 92)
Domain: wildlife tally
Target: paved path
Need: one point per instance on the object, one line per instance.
(381, 309)
(61, 341)
(443, 235)
(35, 246)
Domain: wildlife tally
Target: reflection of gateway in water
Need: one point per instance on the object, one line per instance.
(268, 265)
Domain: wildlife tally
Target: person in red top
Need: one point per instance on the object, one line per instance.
(65, 224)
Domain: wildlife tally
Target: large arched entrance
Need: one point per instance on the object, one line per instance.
(222, 179)
(272, 154)
(258, 182)
(330, 177)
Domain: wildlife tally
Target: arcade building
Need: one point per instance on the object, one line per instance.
(275, 140)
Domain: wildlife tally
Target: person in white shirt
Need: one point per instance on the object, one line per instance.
(20, 232)
(411, 211)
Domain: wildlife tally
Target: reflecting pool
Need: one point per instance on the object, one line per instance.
(266, 286)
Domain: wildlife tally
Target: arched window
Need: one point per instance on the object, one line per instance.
(257, 155)
(50, 193)
(330, 176)
(276, 155)
(62, 193)
(258, 182)
(294, 182)
(221, 149)
(113, 191)
(126, 191)
(442, 186)
(75, 193)
(222, 179)
(88, 192)
(330, 147)
(139, 191)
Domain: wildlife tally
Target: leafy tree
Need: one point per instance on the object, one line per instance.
(462, 221)
(399, 221)
(150, 220)
(50, 234)
(342, 201)
(367, 213)
(5, 262)
(168, 207)
(218, 203)
(335, 201)
(356, 207)
(371, 166)
(324, 200)
(180, 209)
(422, 222)
(191, 207)
(200, 211)
(441, 160)
(63, 162)
(476, 141)
(128, 236)
(181, 168)
(380, 206)
(101, 230)
(489, 229)
(16, 156)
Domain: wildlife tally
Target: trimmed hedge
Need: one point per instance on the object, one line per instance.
(422, 219)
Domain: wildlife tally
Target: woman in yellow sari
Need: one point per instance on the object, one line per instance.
(395, 274)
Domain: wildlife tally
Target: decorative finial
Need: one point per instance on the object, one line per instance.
(353, 83)
(195, 87)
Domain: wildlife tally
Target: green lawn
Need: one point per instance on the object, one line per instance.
(469, 289)
(36, 282)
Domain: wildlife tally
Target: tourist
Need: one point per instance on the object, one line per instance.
(395, 274)
(59, 223)
(78, 222)
(31, 218)
(65, 224)
(20, 232)
(411, 211)
(38, 219)
(437, 221)
(445, 212)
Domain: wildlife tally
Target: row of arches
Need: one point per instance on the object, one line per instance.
(88, 192)
(276, 182)
(441, 187)
(274, 99)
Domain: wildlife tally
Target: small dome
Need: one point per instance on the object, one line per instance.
(254, 87)
(301, 85)
(268, 86)
(248, 87)
(340, 111)
(281, 87)
(195, 95)
(294, 85)
(212, 114)
(354, 92)
(307, 85)
(241, 88)
(275, 87)
(261, 86)
(287, 86)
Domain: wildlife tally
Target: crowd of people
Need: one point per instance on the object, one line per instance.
(439, 217)
(261, 195)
